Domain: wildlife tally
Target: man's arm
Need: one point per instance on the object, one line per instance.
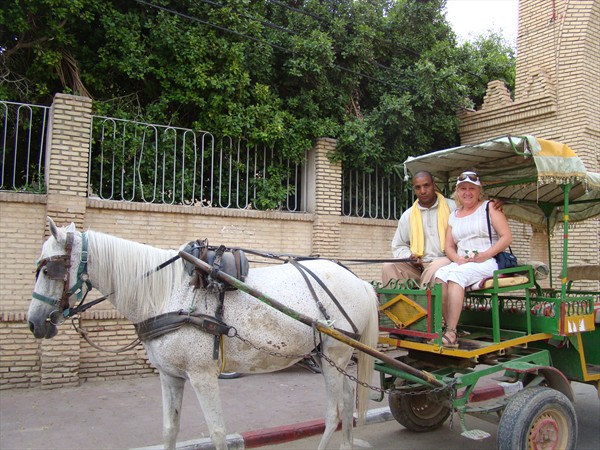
(401, 241)
(497, 204)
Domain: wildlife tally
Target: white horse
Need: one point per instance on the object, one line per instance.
(120, 267)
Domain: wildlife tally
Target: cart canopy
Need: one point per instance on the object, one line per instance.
(527, 173)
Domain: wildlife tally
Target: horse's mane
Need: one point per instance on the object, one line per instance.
(122, 269)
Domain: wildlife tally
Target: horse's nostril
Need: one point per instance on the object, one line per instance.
(31, 326)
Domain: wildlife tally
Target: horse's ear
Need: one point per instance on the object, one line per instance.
(71, 228)
(53, 228)
(59, 234)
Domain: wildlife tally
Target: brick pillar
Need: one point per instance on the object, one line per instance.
(66, 181)
(67, 160)
(324, 198)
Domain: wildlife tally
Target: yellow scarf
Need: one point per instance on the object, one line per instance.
(417, 240)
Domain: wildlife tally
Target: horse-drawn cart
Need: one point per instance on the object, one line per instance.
(519, 343)
(536, 339)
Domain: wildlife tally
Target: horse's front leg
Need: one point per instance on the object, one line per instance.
(206, 386)
(172, 397)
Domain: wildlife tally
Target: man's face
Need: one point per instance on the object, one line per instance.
(424, 189)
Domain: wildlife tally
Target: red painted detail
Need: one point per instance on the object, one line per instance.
(486, 393)
(285, 433)
(406, 332)
(429, 310)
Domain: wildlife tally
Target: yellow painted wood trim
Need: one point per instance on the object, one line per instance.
(491, 348)
(586, 375)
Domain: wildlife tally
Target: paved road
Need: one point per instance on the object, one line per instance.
(391, 435)
(128, 414)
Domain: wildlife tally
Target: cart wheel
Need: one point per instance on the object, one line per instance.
(538, 418)
(418, 412)
(229, 375)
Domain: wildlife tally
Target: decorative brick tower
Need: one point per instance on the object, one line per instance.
(557, 97)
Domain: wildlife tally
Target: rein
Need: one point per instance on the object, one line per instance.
(303, 269)
(84, 333)
(287, 256)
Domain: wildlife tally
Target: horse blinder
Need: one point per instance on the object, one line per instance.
(55, 268)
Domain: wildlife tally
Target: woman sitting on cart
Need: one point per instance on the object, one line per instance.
(468, 247)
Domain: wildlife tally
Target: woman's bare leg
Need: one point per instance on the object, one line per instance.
(454, 303)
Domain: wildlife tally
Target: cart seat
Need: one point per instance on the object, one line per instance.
(503, 281)
(584, 272)
(540, 271)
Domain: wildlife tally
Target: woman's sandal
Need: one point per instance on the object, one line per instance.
(450, 343)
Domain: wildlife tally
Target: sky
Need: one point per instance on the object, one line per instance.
(470, 18)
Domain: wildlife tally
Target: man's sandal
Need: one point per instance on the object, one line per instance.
(450, 343)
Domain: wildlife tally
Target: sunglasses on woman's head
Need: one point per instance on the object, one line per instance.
(468, 176)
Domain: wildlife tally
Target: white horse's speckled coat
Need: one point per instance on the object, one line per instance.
(117, 265)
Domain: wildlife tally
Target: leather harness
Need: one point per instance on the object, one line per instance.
(166, 323)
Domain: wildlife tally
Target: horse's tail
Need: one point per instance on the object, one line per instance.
(365, 361)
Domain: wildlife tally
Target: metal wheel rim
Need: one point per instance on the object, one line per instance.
(423, 408)
(549, 431)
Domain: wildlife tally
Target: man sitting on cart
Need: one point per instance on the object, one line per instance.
(421, 233)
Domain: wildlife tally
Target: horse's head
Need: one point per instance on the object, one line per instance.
(61, 278)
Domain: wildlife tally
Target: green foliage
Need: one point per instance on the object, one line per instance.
(272, 189)
(384, 77)
(487, 58)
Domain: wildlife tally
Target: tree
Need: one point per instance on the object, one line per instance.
(384, 77)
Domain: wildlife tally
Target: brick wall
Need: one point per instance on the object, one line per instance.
(68, 358)
(366, 238)
(557, 97)
(21, 234)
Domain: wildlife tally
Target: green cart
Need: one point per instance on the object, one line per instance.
(522, 340)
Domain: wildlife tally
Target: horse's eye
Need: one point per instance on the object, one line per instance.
(45, 271)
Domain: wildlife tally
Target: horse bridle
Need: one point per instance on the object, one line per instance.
(58, 268)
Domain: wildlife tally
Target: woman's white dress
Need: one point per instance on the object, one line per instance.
(470, 234)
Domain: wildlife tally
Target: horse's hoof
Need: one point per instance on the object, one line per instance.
(309, 364)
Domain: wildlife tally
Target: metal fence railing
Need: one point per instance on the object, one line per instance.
(374, 195)
(142, 162)
(23, 141)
